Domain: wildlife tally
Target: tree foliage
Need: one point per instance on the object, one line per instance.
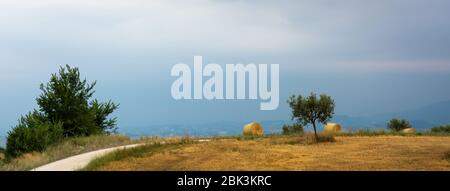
(33, 133)
(309, 110)
(398, 124)
(65, 110)
(101, 112)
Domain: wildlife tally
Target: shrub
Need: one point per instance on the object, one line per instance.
(441, 129)
(398, 124)
(292, 129)
(33, 133)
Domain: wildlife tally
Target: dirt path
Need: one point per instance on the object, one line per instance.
(79, 161)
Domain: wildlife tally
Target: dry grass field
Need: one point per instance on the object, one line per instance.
(69, 147)
(292, 153)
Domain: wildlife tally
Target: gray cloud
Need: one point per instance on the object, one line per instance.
(134, 44)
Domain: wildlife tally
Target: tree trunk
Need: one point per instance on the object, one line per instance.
(315, 132)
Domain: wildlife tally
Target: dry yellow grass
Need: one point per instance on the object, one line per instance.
(285, 153)
(68, 147)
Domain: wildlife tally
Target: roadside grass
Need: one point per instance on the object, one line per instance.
(66, 148)
(137, 152)
(166, 140)
(152, 145)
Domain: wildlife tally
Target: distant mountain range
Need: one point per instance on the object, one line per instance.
(434, 114)
(204, 129)
(421, 118)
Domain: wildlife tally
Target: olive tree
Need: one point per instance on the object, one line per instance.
(310, 109)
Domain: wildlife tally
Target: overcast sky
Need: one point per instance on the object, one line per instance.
(371, 56)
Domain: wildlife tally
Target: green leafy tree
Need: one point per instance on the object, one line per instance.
(398, 124)
(66, 98)
(65, 110)
(102, 111)
(309, 110)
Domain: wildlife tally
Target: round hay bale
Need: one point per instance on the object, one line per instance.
(409, 130)
(332, 128)
(253, 129)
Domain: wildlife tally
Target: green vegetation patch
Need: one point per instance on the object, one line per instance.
(295, 128)
(140, 151)
(445, 129)
(398, 124)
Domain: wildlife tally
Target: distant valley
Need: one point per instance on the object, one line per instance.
(421, 118)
